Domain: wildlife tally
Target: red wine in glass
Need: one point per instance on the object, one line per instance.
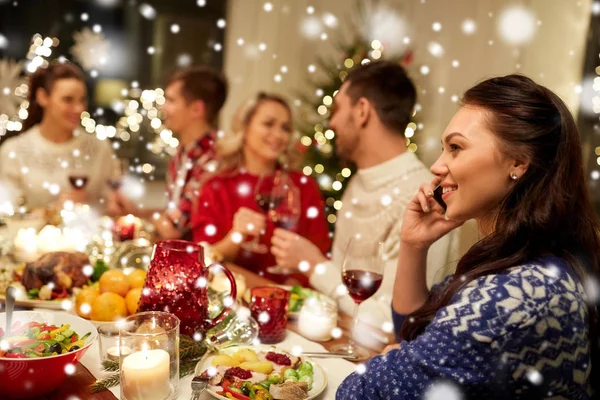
(114, 184)
(78, 181)
(361, 284)
(265, 201)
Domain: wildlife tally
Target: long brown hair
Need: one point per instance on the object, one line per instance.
(548, 212)
(45, 78)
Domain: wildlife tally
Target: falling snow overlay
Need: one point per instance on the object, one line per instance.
(514, 335)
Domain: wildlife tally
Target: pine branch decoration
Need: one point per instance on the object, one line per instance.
(103, 384)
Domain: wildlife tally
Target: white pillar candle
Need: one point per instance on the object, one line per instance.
(146, 375)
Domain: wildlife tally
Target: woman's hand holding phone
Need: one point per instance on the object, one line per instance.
(424, 219)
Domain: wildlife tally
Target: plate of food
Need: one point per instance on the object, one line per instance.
(298, 295)
(262, 372)
(49, 281)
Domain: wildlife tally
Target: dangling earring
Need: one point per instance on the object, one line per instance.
(513, 176)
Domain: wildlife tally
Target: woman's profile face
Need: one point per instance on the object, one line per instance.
(65, 102)
(475, 172)
(269, 131)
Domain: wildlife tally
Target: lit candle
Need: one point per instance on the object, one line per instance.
(317, 319)
(146, 375)
(113, 352)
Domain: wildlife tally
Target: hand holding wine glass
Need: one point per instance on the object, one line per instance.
(362, 274)
(262, 196)
(118, 169)
(285, 214)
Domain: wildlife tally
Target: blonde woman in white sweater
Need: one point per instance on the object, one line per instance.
(369, 116)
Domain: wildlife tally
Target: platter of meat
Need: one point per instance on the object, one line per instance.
(49, 281)
(262, 372)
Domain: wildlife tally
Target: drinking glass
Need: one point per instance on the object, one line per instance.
(269, 307)
(118, 169)
(285, 214)
(362, 274)
(264, 201)
(78, 176)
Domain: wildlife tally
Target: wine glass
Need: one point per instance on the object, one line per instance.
(362, 274)
(78, 176)
(264, 201)
(118, 169)
(285, 214)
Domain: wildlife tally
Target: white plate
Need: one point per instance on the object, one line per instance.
(47, 304)
(319, 377)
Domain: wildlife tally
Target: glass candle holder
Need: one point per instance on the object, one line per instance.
(269, 306)
(109, 344)
(317, 319)
(151, 370)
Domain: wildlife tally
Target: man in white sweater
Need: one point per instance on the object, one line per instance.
(369, 116)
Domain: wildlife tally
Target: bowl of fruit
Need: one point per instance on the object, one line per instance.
(114, 296)
(40, 350)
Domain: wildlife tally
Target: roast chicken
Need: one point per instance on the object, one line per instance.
(63, 269)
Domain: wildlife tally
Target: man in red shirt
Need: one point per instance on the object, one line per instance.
(194, 98)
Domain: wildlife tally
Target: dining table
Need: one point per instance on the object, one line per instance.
(77, 385)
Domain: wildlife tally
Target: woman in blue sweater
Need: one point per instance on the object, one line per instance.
(513, 321)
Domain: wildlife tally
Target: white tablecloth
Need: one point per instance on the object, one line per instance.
(336, 369)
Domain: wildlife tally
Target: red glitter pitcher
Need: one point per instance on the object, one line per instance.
(177, 282)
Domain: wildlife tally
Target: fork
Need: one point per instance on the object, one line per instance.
(199, 384)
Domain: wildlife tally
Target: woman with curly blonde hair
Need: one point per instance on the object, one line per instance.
(260, 145)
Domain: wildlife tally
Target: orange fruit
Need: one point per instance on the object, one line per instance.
(132, 299)
(136, 278)
(114, 281)
(108, 307)
(83, 302)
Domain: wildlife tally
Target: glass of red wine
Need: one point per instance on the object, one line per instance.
(78, 177)
(285, 214)
(264, 201)
(117, 171)
(362, 274)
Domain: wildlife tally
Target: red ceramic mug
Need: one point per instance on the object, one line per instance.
(177, 282)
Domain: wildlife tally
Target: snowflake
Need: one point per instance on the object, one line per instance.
(210, 230)
(90, 49)
(264, 317)
(516, 25)
(10, 79)
(384, 24)
(534, 376)
(443, 390)
(244, 189)
(312, 212)
(70, 369)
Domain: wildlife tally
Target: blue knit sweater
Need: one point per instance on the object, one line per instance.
(520, 334)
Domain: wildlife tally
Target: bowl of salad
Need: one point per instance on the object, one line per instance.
(40, 351)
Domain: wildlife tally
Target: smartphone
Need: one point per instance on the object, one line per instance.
(437, 196)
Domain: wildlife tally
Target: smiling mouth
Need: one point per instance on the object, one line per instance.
(447, 191)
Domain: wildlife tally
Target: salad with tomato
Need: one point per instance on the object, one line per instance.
(38, 339)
